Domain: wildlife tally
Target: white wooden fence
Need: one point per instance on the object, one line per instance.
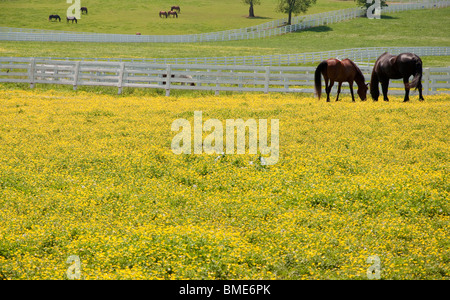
(360, 55)
(273, 28)
(187, 77)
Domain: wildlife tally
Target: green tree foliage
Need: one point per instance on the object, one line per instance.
(294, 7)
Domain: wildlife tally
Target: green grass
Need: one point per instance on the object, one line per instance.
(116, 16)
(397, 29)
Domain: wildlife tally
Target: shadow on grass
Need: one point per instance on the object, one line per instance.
(259, 18)
(322, 28)
(388, 17)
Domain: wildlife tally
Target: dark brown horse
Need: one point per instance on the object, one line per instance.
(84, 9)
(162, 13)
(56, 17)
(336, 70)
(173, 13)
(390, 66)
(175, 7)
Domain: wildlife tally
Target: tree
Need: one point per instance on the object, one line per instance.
(251, 13)
(294, 7)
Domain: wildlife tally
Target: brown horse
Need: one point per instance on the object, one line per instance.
(173, 13)
(336, 70)
(175, 7)
(162, 13)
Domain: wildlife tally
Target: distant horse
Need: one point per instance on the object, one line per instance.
(336, 70)
(56, 17)
(175, 7)
(390, 66)
(173, 13)
(162, 13)
(71, 19)
(191, 83)
(84, 9)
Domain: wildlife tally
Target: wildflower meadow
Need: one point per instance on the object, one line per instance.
(93, 176)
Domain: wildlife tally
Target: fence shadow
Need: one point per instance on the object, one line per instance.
(322, 28)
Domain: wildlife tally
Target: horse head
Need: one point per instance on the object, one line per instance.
(362, 91)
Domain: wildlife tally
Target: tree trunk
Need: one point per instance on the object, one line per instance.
(251, 13)
(290, 17)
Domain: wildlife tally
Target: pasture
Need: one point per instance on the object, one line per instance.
(115, 16)
(397, 29)
(94, 176)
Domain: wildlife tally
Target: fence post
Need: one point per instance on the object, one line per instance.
(75, 75)
(121, 73)
(217, 83)
(426, 81)
(32, 69)
(266, 80)
(168, 77)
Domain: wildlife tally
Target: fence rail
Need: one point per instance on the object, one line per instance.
(169, 77)
(363, 56)
(273, 28)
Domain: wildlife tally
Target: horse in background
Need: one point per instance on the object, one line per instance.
(56, 17)
(162, 13)
(84, 9)
(399, 66)
(71, 19)
(175, 7)
(336, 70)
(190, 80)
(173, 13)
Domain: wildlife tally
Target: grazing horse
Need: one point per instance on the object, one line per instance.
(390, 66)
(162, 13)
(71, 19)
(173, 13)
(175, 7)
(84, 9)
(191, 83)
(56, 17)
(336, 70)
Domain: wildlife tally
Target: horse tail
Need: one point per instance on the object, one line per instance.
(317, 77)
(374, 90)
(417, 75)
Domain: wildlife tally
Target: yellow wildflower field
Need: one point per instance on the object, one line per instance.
(94, 176)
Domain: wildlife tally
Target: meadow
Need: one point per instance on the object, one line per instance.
(115, 16)
(403, 29)
(94, 176)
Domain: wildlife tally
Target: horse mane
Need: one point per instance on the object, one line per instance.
(359, 75)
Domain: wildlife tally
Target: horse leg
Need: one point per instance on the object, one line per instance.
(350, 84)
(384, 87)
(338, 91)
(405, 82)
(328, 89)
(419, 86)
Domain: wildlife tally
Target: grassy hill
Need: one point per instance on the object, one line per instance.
(397, 29)
(116, 16)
